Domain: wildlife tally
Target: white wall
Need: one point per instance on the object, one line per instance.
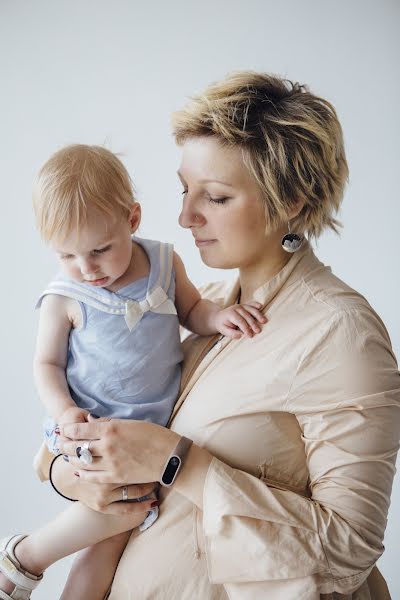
(98, 71)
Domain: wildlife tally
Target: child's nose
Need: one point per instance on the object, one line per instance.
(88, 267)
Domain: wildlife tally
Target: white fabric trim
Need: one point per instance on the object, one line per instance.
(170, 250)
(156, 300)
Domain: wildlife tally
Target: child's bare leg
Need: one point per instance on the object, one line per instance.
(76, 528)
(93, 569)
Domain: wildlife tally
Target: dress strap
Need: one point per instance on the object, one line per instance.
(87, 296)
(166, 262)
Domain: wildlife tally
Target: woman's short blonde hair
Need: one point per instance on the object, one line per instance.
(291, 142)
(75, 181)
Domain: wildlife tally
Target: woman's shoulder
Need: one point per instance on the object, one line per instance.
(336, 314)
(328, 290)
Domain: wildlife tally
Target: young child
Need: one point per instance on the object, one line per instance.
(108, 345)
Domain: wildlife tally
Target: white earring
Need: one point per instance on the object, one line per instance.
(291, 242)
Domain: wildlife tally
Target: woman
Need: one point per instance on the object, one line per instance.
(285, 491)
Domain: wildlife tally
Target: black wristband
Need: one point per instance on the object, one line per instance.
(51, 481)
(175, 462)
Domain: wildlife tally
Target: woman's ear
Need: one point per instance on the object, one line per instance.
(296, 209)
(135, 216)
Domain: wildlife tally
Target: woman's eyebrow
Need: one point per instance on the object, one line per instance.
(208, 180)
(216, 181)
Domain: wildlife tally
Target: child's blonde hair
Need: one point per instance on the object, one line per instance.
(76, 180)
(291, 142)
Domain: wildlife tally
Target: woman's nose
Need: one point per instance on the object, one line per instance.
(190, 217)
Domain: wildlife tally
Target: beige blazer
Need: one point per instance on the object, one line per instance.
(303, 421)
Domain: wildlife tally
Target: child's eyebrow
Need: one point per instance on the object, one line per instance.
(97, 247)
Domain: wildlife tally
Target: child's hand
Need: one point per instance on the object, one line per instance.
(73, 414)
(240, 319)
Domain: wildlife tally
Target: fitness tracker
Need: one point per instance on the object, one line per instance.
(175, 462)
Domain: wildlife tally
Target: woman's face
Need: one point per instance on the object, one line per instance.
(222, 205)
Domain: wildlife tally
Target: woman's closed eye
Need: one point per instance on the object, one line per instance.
(218, 199)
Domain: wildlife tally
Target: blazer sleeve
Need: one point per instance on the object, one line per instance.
(346, 398)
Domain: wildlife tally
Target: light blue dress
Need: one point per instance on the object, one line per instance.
(124, 361)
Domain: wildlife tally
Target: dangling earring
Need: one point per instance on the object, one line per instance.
(291, 242)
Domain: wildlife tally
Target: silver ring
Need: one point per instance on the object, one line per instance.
(84, 454)
(125, 493)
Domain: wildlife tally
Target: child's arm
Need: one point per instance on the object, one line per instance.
(51, 359)
(205, 317)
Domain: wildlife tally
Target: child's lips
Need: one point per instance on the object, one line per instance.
(100, 281)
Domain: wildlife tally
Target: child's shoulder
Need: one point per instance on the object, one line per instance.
(54, 306)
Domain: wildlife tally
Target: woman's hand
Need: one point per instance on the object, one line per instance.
(104, 498)
(124, 452)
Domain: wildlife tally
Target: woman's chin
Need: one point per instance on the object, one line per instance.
(215, 263)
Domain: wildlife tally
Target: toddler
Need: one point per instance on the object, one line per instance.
(108, 346)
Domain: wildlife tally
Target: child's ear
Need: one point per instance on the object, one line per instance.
(135, 216)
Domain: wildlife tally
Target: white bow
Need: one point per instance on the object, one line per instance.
(157, 301)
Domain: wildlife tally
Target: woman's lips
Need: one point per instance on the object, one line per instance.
(202, 243)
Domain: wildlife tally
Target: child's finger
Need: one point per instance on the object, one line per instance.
(253, 310)
(241, 318)
(231, 332)
(248, 317)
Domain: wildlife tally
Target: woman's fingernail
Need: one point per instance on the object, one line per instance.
(76, 474)
(66, 457)
(57, 431)
(155, 503)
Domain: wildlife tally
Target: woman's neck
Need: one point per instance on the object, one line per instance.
(260, 272)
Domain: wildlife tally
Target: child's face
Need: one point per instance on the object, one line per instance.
(101, 254)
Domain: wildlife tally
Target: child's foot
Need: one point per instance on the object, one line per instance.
(6, 585)
(12, 575)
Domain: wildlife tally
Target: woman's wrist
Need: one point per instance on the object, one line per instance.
(192, 475)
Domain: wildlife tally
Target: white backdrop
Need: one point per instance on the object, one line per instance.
(97, 71)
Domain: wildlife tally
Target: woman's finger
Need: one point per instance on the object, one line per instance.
(75, 462)
(95, 476)
(85, 431)
(69, 447)
(133, 492)
(131, 508)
